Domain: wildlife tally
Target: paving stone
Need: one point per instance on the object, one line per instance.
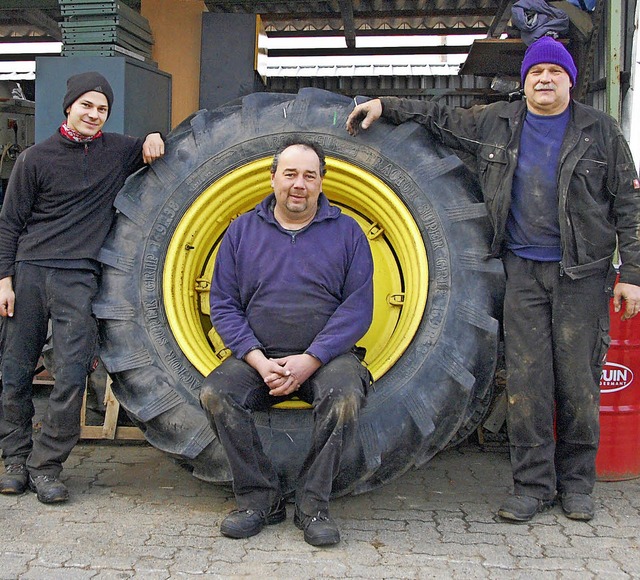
(497, 558)
(628, 560)
(40, 572)
(606, 568)
(134, 513)
(549, 564)
(13, 565)
(191, 561)
(125, 575)
(385, 573)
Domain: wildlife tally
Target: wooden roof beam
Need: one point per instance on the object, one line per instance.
(346, 9)
(501, 19)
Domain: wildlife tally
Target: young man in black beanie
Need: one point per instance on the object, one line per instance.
(57, 211)
(560, 187)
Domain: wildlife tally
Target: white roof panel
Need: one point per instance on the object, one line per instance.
(361, 70)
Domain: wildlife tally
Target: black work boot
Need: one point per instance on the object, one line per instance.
(319, 529)
(521, 508)
(577, 506)
(48, 488)
(246, 523)
(14, 480)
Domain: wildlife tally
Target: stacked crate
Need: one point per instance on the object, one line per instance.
(104, 28)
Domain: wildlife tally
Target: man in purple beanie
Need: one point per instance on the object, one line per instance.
(56, 214)
(560, 188)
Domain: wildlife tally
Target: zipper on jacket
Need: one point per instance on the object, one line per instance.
(561, 269)
(85, 161)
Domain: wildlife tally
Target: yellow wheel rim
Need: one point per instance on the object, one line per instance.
(400, 260)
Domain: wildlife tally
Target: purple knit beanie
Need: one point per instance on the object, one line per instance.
(547, 49)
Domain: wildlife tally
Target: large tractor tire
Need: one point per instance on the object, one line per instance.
(432, 346)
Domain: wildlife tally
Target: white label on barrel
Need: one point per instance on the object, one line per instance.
(615, 377)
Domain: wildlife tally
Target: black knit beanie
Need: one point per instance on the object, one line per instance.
(82, 83)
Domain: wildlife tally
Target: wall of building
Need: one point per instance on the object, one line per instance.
(228, 58)
(177, 27)
(453, 90)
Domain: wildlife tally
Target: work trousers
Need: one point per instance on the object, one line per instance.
(2, 338)
(234, 390)
(65, 297)
(556, 339)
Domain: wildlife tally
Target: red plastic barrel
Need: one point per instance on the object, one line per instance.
(618, 457)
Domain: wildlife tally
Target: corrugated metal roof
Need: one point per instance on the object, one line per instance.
(457, 90)
(353, 18)
(41, 17)
(32, 19)
(368, 14)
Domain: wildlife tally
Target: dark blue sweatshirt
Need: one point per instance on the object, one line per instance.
(533, 226)
(293, 292)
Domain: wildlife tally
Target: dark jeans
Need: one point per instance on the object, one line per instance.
(556, 337)
(65, 297)
(337, 392)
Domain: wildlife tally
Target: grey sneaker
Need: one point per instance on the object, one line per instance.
(48, 488)
(14, 480)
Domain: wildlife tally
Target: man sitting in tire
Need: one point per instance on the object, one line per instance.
(56, 215)
(292, 293)
(560, 185)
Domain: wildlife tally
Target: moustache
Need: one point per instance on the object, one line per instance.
(545, 86)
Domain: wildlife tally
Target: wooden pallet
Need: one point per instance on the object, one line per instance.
(110, 428)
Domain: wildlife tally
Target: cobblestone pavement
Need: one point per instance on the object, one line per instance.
(134, 513)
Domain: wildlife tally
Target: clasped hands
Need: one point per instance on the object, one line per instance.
(285, 375)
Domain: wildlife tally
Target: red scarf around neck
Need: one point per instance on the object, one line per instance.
(72, 134)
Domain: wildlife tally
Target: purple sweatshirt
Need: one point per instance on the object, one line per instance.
(293, 292)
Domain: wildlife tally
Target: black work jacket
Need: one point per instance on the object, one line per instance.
(598, 188)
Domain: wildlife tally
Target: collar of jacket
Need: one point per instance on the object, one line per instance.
(78, 145)
(581, 115)
(326, 211)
